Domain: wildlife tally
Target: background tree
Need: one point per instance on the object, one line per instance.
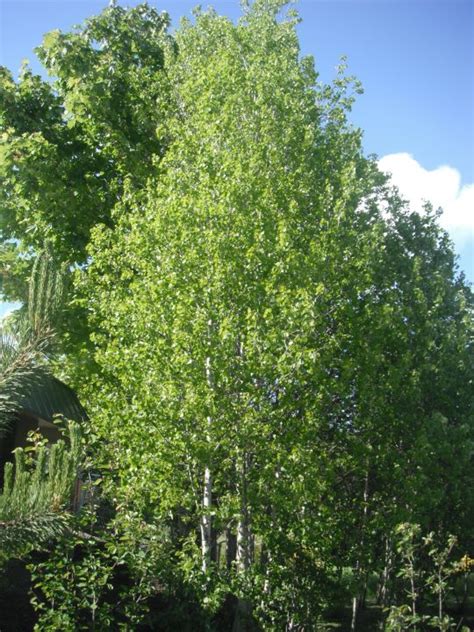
(72, 146)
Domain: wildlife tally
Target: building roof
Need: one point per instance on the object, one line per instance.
(49, 397)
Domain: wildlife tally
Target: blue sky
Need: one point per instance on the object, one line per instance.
(415, 59)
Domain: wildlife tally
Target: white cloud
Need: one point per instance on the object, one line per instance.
(440, 186)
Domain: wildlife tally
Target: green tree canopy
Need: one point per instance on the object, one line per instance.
(278, 335)
(283, 349)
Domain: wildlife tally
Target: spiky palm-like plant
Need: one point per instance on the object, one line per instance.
(26, 338)
(37, 490)
(36, 494)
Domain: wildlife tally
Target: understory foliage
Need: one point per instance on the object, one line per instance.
(277, 360)
(432, 581)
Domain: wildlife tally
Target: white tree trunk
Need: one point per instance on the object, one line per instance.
(243, 542)
(243, 615)
(244, 536)
(357, 599)
(206, 519)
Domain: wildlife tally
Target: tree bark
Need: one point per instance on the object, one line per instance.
(231, 548)
(356, 600)
(243, 613)
(383, 590)
(243, 526)
(206, 518)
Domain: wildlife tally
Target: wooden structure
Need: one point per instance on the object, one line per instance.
(46, 399)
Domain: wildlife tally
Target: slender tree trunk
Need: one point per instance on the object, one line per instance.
(243, 614)
(356, 600)
(355, 604)
(363, 596)
(243, 553)
(383, 589)
(231, 547)
(440, 595)
(206, 518)
(413, 589)
(244, 535)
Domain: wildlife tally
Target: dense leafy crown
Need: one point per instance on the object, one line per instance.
(282, 348)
